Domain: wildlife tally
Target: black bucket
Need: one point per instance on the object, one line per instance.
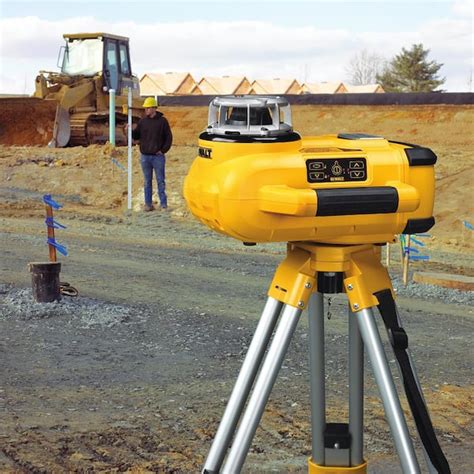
(45, 281)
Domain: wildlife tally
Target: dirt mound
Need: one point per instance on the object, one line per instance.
(428, 125)
(26, 121)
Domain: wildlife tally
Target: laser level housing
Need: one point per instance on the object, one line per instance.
(257, 180)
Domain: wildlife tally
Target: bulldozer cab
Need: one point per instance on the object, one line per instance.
(90, 54)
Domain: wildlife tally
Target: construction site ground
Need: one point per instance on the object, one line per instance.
(133, 375)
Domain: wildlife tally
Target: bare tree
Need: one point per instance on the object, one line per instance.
(364, 67)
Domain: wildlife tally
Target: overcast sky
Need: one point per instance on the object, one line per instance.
(306, 40)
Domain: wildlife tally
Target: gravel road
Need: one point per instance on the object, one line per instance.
(133, 374)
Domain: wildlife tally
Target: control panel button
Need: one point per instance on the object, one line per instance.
(356, 165)
(357, 174)
(336, 169)
(317, 176)
(316, 165)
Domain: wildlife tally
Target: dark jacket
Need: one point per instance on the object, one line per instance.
(154, 134)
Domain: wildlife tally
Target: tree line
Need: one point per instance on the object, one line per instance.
(408, 71)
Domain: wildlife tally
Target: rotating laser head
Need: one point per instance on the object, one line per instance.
(249, 115)
(257, 180)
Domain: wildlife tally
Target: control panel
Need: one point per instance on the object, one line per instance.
(325, 170)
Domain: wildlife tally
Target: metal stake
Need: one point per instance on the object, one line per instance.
(112, 116)
(129, 141)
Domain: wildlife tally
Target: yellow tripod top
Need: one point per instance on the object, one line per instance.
(363, 273)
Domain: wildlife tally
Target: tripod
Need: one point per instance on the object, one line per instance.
(308, 271)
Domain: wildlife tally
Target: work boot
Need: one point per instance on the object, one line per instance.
(149, 208)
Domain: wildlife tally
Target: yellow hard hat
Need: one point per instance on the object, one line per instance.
(150, 102)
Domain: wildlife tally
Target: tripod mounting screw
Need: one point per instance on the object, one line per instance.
(307, 285)
(301, 304)
(350, 287)
(356, 306)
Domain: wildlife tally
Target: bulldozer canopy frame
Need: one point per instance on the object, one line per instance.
(116, 63)
(89, 55)
(94, 36)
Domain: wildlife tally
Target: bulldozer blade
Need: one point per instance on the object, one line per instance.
(26, 120)
(62, 129)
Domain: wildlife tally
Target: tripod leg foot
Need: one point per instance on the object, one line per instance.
(383, 377)
(317, 469)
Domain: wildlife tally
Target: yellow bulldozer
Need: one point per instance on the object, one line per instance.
(71, 107)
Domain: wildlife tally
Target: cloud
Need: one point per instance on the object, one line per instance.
(463, 8)
(258, 49)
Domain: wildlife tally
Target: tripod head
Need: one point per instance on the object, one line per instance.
(257, 180)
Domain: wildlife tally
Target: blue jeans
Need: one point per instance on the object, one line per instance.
(157, 163)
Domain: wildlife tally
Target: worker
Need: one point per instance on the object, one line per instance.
(154, 133)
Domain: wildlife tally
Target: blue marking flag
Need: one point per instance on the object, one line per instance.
(118, 164)
(47, 199)
(468, 225)
(411, 250)
(50, 222)
(60, 248)
(417, 242)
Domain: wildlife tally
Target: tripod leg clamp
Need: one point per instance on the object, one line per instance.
(364, 278)
(294, 280)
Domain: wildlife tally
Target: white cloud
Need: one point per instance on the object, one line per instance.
(464, 8)
(257, 49)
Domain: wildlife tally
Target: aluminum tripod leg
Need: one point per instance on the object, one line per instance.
(243, 385)
(263, 386)
(383, 377)
(356, 391)
(317, 378)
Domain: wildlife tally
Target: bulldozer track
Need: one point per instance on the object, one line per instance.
(93, 128)
(79, 129)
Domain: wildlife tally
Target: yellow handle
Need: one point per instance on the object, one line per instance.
(281, 199)
(408, 196)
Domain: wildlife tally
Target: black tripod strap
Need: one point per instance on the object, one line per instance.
(399, 341)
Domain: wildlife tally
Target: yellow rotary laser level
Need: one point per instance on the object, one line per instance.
(257, 180)
(332, 198)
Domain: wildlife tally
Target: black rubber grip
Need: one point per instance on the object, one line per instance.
(352, 201)
(418, 226)
(420, 156)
